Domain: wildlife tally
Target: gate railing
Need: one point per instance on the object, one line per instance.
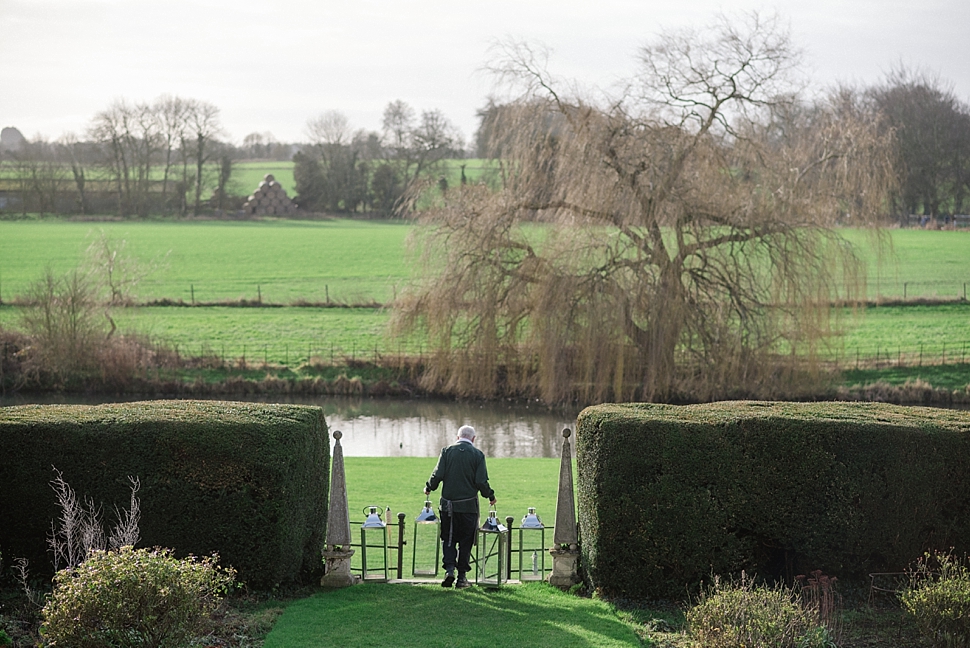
(527, 558)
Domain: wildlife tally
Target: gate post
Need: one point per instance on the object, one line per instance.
(337, 551)
(565, 549)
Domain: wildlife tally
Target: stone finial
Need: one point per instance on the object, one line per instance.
(565, 552)
(565, 533)
(338, 515)
(337, 552)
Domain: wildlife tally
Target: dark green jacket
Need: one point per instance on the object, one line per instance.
(461, 467)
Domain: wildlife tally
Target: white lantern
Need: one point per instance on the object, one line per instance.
(532, 547)
(492, 552)
(426, 548)
(373, 546)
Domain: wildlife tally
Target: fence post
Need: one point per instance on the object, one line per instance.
(921, 354)
(905, 285)
(400, 545)
(192, 289)
(508, 546)
(944, 353)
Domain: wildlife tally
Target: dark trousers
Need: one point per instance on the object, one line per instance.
(460, 529)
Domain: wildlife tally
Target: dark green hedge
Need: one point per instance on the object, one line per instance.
(246, 480)
(669, 495)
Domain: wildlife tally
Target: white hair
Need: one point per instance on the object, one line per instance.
(466, 432)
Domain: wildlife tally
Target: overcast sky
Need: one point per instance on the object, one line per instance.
(271, 65)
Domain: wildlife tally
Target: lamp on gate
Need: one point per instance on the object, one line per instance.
(492, 552)
(373, 537)
(532, 547)
(426, 548)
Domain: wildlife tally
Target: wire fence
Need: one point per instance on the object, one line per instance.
(937, 289)
(876, 356)
(863, 356)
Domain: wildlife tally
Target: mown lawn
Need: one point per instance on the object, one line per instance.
(428, 616)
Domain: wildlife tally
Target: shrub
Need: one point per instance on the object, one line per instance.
(245, 480)
(939, 598)
(133, 597)
(736, 615)
(670, 494)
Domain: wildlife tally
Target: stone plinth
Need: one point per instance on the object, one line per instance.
(565, 568)
(337, 566)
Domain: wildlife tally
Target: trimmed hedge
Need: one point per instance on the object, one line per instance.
(249, 481)
(669, 495)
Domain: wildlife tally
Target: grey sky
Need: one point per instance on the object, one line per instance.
(269, 66)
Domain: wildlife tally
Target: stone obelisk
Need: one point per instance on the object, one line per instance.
(337, 551)
(565, 550)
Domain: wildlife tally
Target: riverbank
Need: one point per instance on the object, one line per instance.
(940, 386)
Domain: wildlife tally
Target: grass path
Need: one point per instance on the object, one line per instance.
(425, 616)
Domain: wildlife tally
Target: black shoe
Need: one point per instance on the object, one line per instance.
(449, 579)
(462, 582)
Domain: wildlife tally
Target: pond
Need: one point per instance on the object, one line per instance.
(414, 427)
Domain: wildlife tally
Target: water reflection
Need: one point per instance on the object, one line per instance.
(414, 428)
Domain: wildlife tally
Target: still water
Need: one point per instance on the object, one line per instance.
(415, 428)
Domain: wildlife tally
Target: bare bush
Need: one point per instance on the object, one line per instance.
(79, 531)
(63, 321)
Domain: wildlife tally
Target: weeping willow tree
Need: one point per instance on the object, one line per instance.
(676, 238)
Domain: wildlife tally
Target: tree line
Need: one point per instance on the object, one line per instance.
(171, 156)
(346, 170)
(135, 159)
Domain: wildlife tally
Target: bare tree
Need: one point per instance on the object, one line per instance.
(673, 239)
(114, 129)
(114, 273)
(203, 127)
(41, 175)
(79, 155)
(415, 145)
(170, 113)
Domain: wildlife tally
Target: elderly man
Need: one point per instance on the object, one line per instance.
(461, 468)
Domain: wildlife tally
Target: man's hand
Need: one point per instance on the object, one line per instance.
(426, 492)
(491, 502)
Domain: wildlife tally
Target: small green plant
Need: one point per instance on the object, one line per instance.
(5, 639)
(742, 614)
(133, 597)
(938, 597)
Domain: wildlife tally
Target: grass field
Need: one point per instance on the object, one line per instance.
(283, 260)
(352, 262)
(918, 263)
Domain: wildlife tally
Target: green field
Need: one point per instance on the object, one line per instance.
(918, 263)
(284, 260)
(353, 262)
